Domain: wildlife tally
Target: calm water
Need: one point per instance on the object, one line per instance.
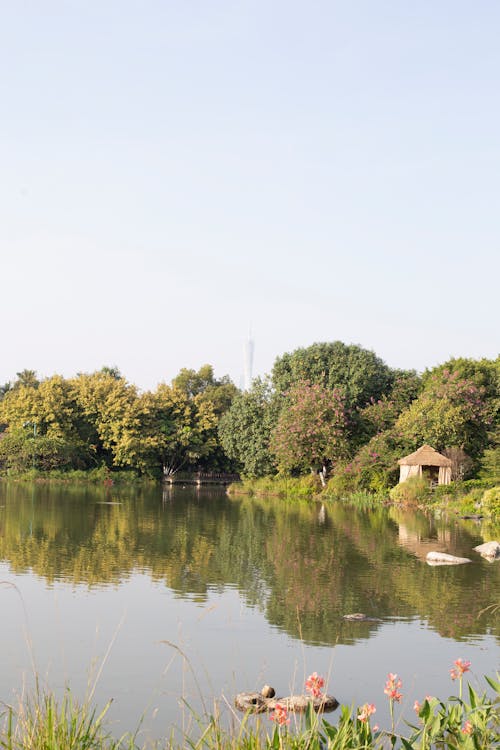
(191, 595)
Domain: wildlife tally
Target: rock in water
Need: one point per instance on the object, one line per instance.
(490, 550)
(360, 617)
(442, 558)
(257, 704)
(268, 691)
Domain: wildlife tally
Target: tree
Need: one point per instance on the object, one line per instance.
(451, 411)
(26, 378)
(50, 415)
(311, 429)
(165, 431)
(187, 428)
(245, 429)
(380, 415)
(359, 372)
(219, 394)
(106, 402)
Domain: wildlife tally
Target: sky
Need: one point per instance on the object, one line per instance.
(176, 173)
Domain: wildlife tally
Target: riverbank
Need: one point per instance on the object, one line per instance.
(473, 497)
(470, 721)
(101, 476)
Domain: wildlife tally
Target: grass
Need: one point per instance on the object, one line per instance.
(472, 723)
(43, 723)
(287, 488)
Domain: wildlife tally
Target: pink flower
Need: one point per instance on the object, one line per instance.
(392, 686)
(467, 728)
(366, 711)
(280, 715)
(416, 707)
(460, 667)
(376, 728)
(314, 683)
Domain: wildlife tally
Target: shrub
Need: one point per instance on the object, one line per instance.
(470, 503)
(343, 483)
(490, 503)
(414, 490)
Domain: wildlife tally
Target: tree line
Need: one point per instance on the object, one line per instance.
(333, 409)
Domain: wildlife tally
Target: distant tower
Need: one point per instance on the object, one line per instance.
(248, 362)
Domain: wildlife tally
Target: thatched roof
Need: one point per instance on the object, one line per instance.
(425, 456)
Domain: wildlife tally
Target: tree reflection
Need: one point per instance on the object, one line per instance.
(303, 565)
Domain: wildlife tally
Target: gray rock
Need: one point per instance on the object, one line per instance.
(490, 550)
(442, 558)
(360, 617)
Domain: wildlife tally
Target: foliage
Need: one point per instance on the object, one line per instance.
(380, 415)
(359, 372)
(413, 490)
(490, 502)
(99, 418)
(310, 432)
(297, 488)
(456, 724)
(201, 422)
(373, 468)
(490, 460)
(450, 411)
(44, 723)
(461, 463)
(20, 450)
(245, 429)
(220, 392)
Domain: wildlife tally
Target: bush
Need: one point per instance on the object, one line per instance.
(490, 503)
(301, 488)
(470, 503)
(343, 483)
(414, 490)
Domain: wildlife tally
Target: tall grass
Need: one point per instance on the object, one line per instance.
(471, 723)
(42, 722)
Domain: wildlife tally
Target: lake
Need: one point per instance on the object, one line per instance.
(159, 598)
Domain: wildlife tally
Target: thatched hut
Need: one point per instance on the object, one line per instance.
(426, 462)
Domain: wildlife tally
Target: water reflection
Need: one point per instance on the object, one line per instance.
(303, 565)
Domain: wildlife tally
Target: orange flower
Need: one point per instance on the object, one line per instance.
(459, 669)
(280, 715)
(467, 728)
(314, 683)
(366, 711)
(392, 686)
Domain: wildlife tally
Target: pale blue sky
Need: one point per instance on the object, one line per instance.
(173, 172)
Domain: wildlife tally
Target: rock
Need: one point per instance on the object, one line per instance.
(442, 558)
(257, 704)
(490, 550)
(268, 691)
(360, 617)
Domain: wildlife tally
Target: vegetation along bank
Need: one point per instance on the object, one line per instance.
(330, 417)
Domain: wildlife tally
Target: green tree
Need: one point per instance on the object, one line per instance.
(451, 411)
(219, 393)
(380, 415)
(165, 431)
(187, 428)
(51, 416)
(311, 429)
(26, 378)
(359, 372)
(245, 429)
(106, 403)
